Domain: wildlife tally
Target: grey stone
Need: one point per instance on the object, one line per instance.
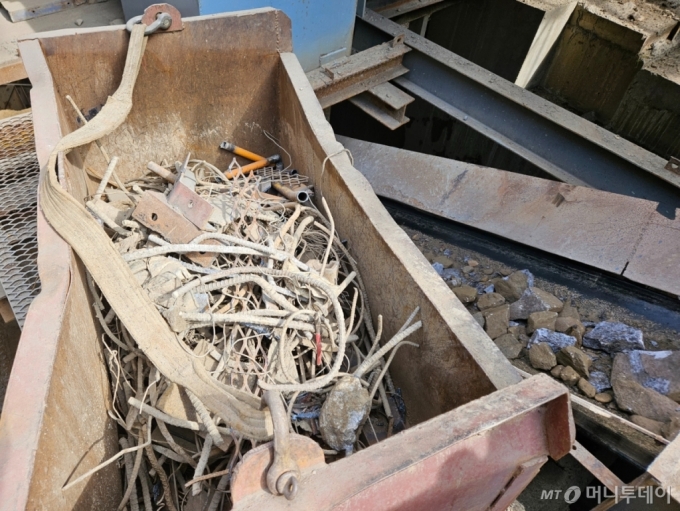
(600, 381)
(508, 345)
(466, 294)
(574, 357)
(671, 429)
(439, 268)
(562, 324)
(490, 288)
(649, 424)
(557, 370)
(534, 300)
(542, 357)
(444, 261)
(556, 340)
(451, 275)
(490, 300)
(585, 387)
(569, 376)
(517, 330)
(479, 318)
(512, 286)
(523, 338)
(604, 397)
(577, 331)
(342, 413)
(614, 338)
(453, 283)
(569, 311)
(632, 397)
(657, 370)
(496, 321)
(544, 319)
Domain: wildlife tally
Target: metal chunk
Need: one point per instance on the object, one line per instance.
(673, 165)
(194, 207)
(154, 212)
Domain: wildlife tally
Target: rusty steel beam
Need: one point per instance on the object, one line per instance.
(556, 141)
(596, 467)
(666, 469)
(385, 103)
(400, 7)
(345, 78)
(617, 234)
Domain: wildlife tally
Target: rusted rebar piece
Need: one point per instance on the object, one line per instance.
(161, 171)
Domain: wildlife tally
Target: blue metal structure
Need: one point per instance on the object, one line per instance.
(322, 29)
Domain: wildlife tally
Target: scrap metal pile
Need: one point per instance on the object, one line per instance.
(258, 288)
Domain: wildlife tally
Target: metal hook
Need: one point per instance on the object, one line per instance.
(162, 22)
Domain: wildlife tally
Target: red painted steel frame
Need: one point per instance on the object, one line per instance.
(479, 456)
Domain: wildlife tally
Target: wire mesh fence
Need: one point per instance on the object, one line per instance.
(19, 170)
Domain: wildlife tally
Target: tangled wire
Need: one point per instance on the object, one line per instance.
(265, 296)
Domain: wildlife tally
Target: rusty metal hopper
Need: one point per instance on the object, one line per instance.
(479, 434)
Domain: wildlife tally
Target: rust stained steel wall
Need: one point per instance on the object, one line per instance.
(457, 362)
(193, 92)
(462, 460)
(612, 232)
(54, 417)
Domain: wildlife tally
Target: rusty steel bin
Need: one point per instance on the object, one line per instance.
(478, 432)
